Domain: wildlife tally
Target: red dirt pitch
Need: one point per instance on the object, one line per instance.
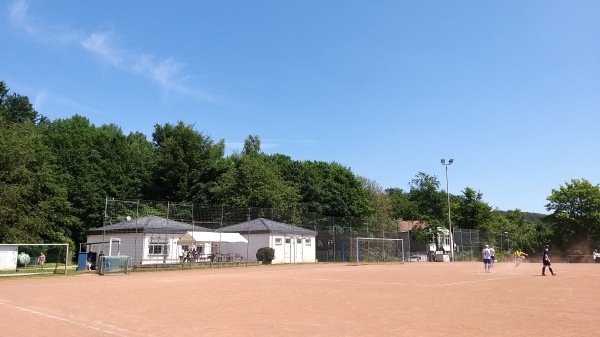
(414, 299)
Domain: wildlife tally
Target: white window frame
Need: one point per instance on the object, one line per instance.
(307, 241)
(152, 248)
(278, 241)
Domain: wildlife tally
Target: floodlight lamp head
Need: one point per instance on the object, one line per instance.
(443, 161)
(450, 161)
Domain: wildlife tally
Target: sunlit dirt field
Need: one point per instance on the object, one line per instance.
(413, 299)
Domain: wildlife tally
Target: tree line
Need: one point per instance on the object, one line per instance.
(55, 176)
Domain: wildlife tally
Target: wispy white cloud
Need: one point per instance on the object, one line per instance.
(38, 100)
(168, 73)
(45, 100)
(17, 11)
(74, 107)
(234, 146)
(295, 142)
(99, 44)
(17, 15)
(269, 146)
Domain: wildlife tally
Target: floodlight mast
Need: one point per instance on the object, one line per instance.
(450, 161)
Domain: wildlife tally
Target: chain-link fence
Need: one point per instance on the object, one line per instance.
(154, 225)
(470, 242)
(139, 221)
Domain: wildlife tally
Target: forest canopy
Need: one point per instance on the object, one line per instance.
(55, 176)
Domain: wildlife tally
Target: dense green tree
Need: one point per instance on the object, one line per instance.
(290, 170)
(402, 207)
(113, 150)
(472, 212)
(55, 176)
(424, 192)
(518, 220)
(250, 181)
(251, 146)
(380, 206)
(79, 149)
(311, 186)
(332, 189)
(138, 165)
(575, 215)
(529, 235)
(33, 203)
(185, 162)
(256, 179)
(17, 108)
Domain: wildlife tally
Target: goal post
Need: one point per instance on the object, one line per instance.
(30, 259)
(377, 250)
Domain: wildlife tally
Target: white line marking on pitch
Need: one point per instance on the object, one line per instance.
(91, 327)
(465, 282)
(388, 283)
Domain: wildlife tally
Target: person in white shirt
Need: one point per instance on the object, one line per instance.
(492, 256)
(486, 258)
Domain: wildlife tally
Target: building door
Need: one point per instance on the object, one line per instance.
(298, 249)
(287, 250)
(293, 249)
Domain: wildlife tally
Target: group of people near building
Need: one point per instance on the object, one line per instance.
(489, 257)
(194, 256)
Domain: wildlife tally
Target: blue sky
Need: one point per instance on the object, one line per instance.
(509, 89)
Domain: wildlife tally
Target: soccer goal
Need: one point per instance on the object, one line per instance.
(119, 264)
(377, 250)
(28, 259)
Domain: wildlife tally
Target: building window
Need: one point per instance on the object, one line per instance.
(278, 241)
(288, 240)
(158, 249)
(299, 241)
(307, 241)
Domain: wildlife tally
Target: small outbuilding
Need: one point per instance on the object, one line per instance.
(8, 257)
(292, 244)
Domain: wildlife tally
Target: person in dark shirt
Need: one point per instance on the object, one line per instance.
(546, 262)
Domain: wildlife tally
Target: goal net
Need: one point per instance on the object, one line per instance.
(28, 259)
(114, 265)
(377, 250)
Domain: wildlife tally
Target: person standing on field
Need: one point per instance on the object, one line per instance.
(486, 254)
(492, 256)
(41, 260)
(546, 262)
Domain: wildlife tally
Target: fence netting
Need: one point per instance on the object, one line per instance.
(333, 239)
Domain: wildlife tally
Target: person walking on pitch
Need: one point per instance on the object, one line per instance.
(546, 262)
(486, 254)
